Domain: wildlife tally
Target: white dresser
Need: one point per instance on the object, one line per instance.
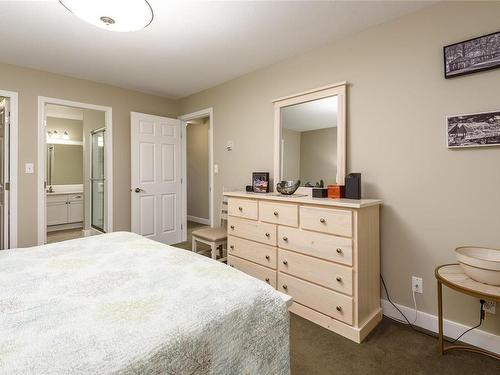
(324, 253)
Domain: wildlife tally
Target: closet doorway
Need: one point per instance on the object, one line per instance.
(197, 170)
(74, 170)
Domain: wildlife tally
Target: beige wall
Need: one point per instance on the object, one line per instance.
(197, 169)
(318, 156)
(434, 199)
(30, 84)
(291, 154)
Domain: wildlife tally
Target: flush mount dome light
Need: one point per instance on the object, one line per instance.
(114, 15)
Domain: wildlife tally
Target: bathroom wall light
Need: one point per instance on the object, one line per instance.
(113, 15)
(65, 135)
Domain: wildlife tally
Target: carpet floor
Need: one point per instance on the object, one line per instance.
(392, 348)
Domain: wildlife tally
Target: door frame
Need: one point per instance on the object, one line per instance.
(207, 112)
(42, 144)
(13, 163)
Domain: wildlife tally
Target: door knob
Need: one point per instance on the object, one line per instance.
(138, 190)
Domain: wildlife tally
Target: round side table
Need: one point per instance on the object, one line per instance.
(454, 278)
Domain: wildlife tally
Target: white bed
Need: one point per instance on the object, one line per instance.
(120, 303)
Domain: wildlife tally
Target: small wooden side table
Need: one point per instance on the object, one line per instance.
(453, 277)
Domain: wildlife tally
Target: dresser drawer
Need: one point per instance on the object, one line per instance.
(325, 246)
(246, 208)
(326, 220)
(252, 230)
(262, 273)
(279, 213)
(264, 255)
(316, 297)
(318, 271)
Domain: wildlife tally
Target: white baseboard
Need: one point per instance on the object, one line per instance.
(476, 337)
(198, 220)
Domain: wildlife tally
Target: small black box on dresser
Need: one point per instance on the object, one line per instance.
(353, 186)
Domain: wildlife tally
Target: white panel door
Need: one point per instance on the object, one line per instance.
(156, 177)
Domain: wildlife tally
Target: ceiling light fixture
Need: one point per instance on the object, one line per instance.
(113, 15)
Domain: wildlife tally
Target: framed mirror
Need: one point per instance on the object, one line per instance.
(310, 136)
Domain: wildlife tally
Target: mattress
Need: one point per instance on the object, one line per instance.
(119, 303)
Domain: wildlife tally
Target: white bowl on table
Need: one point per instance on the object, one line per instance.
(481, 264)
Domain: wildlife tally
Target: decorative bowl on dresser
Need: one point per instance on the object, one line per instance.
(324, 253)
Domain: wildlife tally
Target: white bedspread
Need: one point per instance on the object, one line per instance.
(120, 303)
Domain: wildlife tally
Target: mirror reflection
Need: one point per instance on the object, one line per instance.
(309, 142)
(64, 164)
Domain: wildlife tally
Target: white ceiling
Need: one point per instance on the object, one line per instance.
(318, 114)
(190, 45)
(61, 111)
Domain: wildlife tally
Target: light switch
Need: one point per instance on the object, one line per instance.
(216, 168)
(29, 168)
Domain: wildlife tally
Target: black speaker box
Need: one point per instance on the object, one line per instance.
(353, 186)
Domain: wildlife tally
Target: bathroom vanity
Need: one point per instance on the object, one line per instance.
(324, 253)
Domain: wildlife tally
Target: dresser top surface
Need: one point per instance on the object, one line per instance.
(349, 203)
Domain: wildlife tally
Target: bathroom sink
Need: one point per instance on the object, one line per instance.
(480, 263)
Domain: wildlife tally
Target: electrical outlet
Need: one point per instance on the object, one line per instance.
(490, 307)
(417, 284)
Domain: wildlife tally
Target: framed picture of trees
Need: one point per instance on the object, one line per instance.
(473, 55)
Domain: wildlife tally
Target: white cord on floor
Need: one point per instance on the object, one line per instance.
(415, 307)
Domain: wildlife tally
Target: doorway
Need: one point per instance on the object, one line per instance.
(74, 186)
(197, 170)
(8, 170)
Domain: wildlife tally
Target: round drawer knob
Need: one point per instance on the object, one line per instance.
(322, 220)
(268, 257)
(338, 278)
(285, 287)
(339, 308)
(267, 279)
(276, 213)
(339, 250)
(231, 247)
(232, 227)
(285, 238)
(231, 265)
(240, 208)
(285, 262)
(268, 235)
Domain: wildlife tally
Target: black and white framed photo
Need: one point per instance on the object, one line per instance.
(473, 55)
(473, 130)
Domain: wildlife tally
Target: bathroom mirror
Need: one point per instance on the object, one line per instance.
(310, 136)
(64, 164)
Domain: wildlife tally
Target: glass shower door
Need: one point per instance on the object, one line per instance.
(97, 180)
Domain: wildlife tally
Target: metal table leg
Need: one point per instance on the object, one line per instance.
(440, 317)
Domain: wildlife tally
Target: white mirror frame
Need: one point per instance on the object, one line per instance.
(337, 89)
